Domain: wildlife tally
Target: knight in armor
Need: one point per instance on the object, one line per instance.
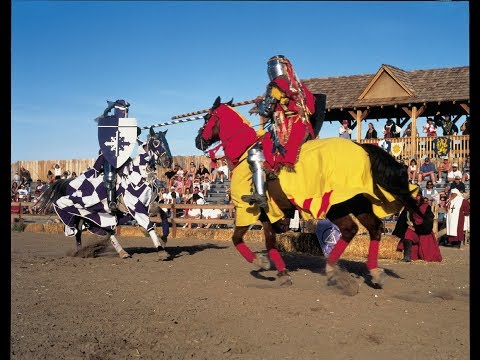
(286, 109)
(120, 110)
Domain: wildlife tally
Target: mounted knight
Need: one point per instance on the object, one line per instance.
(292, 115)
(117, 136)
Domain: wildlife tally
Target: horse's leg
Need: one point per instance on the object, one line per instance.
(78, 234)
(242, 248)
(274, 255)
(159, 245)
(165, 226)
(335, 276)
(123, 254)
(374, 227)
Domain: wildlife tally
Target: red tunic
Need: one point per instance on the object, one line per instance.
(424, 247)
(293, 125)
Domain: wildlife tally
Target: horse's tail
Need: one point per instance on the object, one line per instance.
(390, 175)
(54, 192)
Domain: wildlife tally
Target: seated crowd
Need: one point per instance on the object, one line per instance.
(190, 186)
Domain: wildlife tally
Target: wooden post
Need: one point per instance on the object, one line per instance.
(414, 132)
(174, 224)
(359, 125)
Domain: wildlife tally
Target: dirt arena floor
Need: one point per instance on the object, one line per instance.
(206, 302)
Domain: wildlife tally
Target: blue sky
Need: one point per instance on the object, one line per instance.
(168, 58)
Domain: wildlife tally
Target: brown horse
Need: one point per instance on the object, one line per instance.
(332, 179)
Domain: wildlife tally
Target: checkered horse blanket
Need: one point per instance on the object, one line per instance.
(86, 197)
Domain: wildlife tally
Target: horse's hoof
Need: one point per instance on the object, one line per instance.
(378, 276)
(162, 255)
(124, 255)
(262, 262)
(164, 238)
(341, 280)
(284, 277)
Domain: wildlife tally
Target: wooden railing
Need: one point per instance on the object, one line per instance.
(459, 149)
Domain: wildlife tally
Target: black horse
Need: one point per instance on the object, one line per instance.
(333, 178)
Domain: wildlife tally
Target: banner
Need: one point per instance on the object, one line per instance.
(385, 145)
(441, 146)
(397, 148)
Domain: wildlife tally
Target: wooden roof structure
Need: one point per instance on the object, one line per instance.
(385, 93)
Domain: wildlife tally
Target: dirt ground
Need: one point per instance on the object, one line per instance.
(208, 303)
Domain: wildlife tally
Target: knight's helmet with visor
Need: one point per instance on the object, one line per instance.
(276, 66)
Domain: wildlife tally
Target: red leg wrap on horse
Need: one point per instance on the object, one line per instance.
(276, 259)
(246, 252)
(337, 251)
(372, 258)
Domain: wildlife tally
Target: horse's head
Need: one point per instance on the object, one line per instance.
(210, 131)
(158, 146)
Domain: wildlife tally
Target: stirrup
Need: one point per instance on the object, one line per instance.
(260, 200)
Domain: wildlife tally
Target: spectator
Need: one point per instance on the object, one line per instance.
(447, 125)
(431, 193)
(442, 206)
(187, 196)
(202, 170)
(211, 214)
(197, 181)
(22, 193)
(412, 171)
(371, 132)
(180, 170)
(192, 170)
(221, 172)
(344, 131)
(454, 173)
(14, 191)
(417, 239)
(25, 174)
(390, 130)
(57, 170)
(457, 184)
(205, 185)
(466, 169)
(458, 208)
(173, 197)
(196, 190)
(50, 177)
(16, 178)
(430, 128)
(170, 173)
(444, 168)
(427, 169)
(466, 127)
(73, 175)
(408, 131)
(194, 213)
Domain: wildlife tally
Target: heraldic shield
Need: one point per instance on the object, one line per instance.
(117, 138)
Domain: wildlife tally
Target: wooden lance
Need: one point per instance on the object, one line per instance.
(241, 103)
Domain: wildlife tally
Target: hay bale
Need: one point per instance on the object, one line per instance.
(53, 228)
(36, 227)
(357, 249)
(134, 231)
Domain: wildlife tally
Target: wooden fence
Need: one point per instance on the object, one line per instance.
(17, 215)
(39, 168)
(460, 148)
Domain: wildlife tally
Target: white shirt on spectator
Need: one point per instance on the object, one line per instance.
(452, 174)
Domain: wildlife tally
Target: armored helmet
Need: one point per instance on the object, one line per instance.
(121, 109)
(276, 66)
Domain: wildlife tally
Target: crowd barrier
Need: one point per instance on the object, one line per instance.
(175, 220)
